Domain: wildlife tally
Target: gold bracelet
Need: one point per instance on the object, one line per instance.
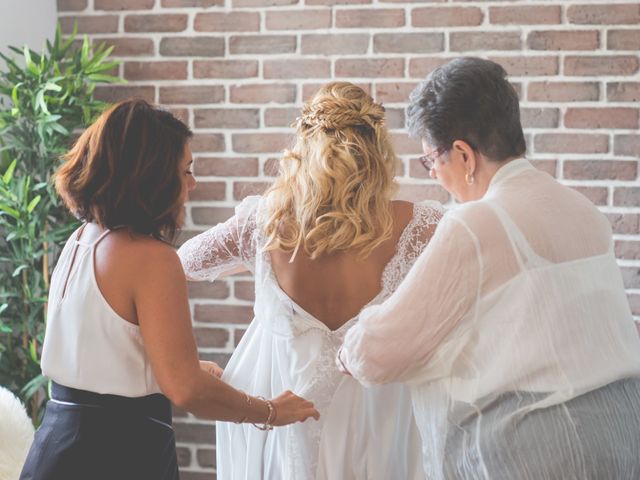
(268, 425)
(248, 400)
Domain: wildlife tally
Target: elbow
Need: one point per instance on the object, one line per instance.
(181, 395)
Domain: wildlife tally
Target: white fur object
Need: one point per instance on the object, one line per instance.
(16, 435)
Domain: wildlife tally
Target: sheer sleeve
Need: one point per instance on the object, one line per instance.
(406, 337)
(224, 247)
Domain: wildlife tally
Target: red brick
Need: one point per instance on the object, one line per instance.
(227, 167)
(597, 195)
(571, 143)
(631, 277)
(211, 337)
(469, 41)
(528, 66)
(260, 142)
(127, 47)
(218, 290)
(207, 142)
(564, 40)
(244, 290)
(208, 191)
(423, 66)
(227, 22)
(71, 5)
(210, 215)
(539, 117)
(627, 145)
(184, 456)
(335, 43)
(262, 3)
(263, 93)
(623, 39)
(271, 167)
(155, 23)
(626, 196)
(227, 118)
(194, 433)
(525, 15)
(623, 92)
(563, 91)
(116, 93)
(280, 117)
(192, 3)
(614, 117)
(192, 47)
(123, 4)
(206, 457)
(417, 170)
(601, 65)
(180, 113)
(446, 16)
(238, 333)
(394, 92)
(245, 189)
(225, 68)
(306, 19)
(370, 18)
(262, 44)
(394, 118)
(192, 94)
(365, 67)
(405, 145)
(408, 42)
(420, 192)
(600, 169)
(624, 223)
(155, 70)
(297, 68)
(605, 14)
(336, 2)
(411, 1)
(90, 24)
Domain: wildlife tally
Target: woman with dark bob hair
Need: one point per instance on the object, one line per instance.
(513, 327)
(119, 343)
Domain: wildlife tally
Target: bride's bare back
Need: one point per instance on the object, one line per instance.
(335, 287)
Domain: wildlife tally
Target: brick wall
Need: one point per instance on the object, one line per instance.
(238, 70)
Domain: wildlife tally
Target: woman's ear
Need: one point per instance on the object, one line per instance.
(467, 154)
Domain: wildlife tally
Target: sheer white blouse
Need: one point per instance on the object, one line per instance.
(517, 292)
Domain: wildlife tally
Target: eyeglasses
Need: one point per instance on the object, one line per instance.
(430, 158)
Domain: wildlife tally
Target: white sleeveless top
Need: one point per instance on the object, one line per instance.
(87, 345)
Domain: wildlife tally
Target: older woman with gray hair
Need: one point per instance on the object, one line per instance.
(513, 328)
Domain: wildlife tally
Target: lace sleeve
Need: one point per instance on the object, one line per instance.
(223, 247)
(412, 242)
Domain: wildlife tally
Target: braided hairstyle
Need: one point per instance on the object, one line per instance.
(334, 186)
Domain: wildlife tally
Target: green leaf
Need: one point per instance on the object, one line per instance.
(3, 307)
(17, 271)
(9, 211)
(59, 128)
(33, 203)
(8, 174)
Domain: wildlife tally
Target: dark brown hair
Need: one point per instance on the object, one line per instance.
(124, 170)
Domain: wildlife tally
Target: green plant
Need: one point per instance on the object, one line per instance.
(43, 105)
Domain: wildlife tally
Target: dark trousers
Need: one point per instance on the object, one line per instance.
(87, 436)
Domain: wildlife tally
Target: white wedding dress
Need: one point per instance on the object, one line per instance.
(363, 433)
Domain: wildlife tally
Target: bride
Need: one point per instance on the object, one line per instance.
(323, 242)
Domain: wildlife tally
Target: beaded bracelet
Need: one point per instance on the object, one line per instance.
(268, 425)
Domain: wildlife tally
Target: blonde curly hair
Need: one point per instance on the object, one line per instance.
(334, 187)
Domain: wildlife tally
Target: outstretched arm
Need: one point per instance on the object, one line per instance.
(225, 249)
(404, 337)
(160, 297)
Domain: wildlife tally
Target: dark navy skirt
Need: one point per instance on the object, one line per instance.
(85, 435)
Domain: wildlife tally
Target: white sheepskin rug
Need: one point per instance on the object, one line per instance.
(16, 435)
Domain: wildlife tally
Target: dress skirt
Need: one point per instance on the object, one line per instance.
(85, 435)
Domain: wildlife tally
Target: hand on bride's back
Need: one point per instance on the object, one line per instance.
(291, 408)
